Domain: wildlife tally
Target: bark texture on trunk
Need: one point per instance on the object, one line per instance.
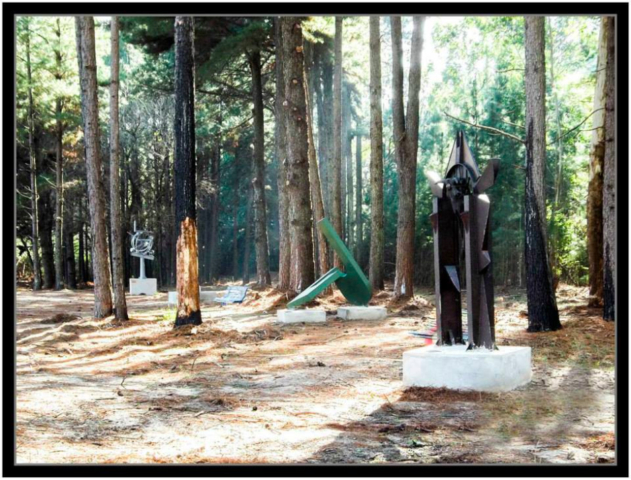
(595, 187)
(543, 314)
(37, 276)
(336, 164)
(376, 160)
(248, 236)
(316, 190)
(46, 221)
(406, 149)
(59, 179)
(261, 246)
(609, 178)
(96, 196)
(284, 250)
(302, 271)
(358, 198)
(118, 271)
(188, 311)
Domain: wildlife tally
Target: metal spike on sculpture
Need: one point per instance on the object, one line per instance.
(461, 224)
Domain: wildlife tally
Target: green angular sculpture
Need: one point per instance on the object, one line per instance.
(352, 283)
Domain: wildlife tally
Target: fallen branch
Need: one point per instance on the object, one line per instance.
(488, 129)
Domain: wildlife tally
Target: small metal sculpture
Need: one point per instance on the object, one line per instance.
(461, 224)
(141, 247)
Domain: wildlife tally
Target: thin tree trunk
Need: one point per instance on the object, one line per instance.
(215, 178)
(358, 198)
(284, 249)
(46, 221)
(120, 305)
(595, 187)
(248, 236)
(89, 106)
(37, 276)
(82, 267)
(59, 181)
(376, 160)
(347, 167)
(609, 179)
(316, 189)
(68, 249)
(258, 182)
(336, 164)
(406, 148)
(302, 271)
(188, 311)
(543, 314)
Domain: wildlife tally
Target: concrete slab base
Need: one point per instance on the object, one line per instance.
(205, 296)
(362, 313)
(143, 286)
(455, 368)
(299, 316)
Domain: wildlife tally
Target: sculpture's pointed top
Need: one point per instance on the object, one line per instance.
(461, 154)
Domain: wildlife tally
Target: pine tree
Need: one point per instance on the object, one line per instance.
(187, 276)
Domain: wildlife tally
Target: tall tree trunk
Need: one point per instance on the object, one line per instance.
(376, 160)
(258, 182)
(37, 276)
(284, 250)
(316, 189)
(302, 271)
(358, 198)
(188, 311)
(59, 181)
(347, 166)
(70, 279)
(324, 62)
(89, 107)
(336, 164)
(120, 305)
(82, 267)
(248, 236)
(215, 178)
(543, 314)
(46, 221)
(609, 178)
(406, 148)
(595, 187)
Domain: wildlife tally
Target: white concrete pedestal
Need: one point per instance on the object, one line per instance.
(143, 286)
(205, 296)
(299, 316)
(455, 368)
(362, 313)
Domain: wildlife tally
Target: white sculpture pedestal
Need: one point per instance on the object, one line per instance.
(205, 296)
(361, 313)
(143, 286)
(455, 368)
(299, 316)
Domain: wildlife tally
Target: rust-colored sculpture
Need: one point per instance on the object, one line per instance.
(461, 224)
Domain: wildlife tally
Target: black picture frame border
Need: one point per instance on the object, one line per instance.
(10, 469)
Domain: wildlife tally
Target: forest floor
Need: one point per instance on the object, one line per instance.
(242, 389)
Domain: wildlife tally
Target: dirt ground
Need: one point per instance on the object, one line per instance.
(242, 389)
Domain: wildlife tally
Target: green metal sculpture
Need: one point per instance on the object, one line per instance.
(352, 283)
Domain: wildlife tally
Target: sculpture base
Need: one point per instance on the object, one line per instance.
(205, 296)
(455, 368)
(143, 286)
(361, 313)
(299, 316)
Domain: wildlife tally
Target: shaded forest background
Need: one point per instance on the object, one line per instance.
(471, 69)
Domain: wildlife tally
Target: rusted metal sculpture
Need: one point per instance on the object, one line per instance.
(461, 225)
